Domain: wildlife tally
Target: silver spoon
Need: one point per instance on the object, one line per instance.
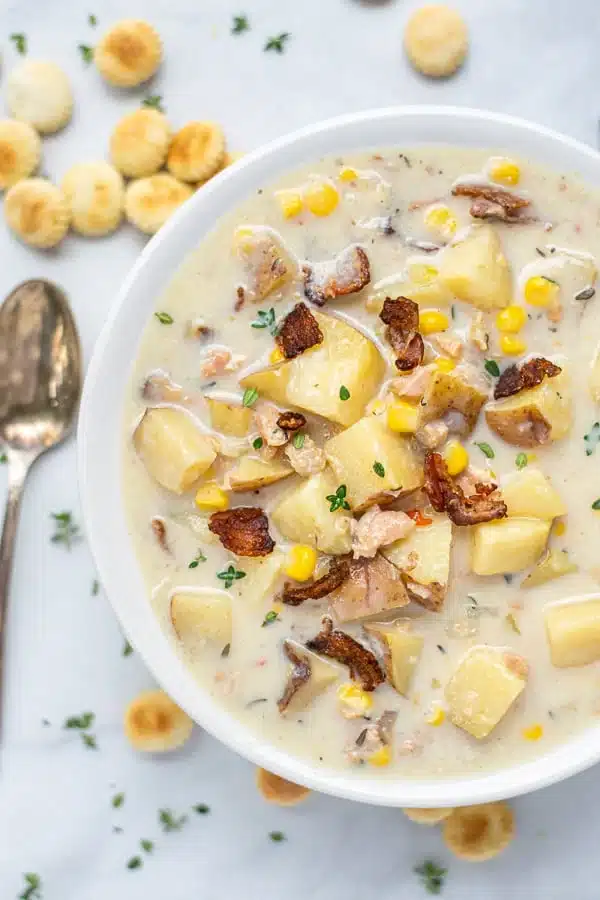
(40, 385)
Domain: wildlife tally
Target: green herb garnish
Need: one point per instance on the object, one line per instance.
(92, 20)
(169, 821)
(432, 876)
(95, 587)
(118, 800)
(492, 368)
(147, 846)
(87, 52)
(591, 438)
(486, 450)
(250, 397)
(270, 617)
(521, 460)
(277, 836)
(257, 443)
(89, 740)
(164, 318)
(512, 623)
(229, 575)
(67, 531)
(84, 721)
(135, 862)
(379, 469)
(199, 557)
(154, 101)
(127, 649)
(596, 504)
(266, 319)
(20, 41)
(344, 393)
(33, 886)
(3, 458)
(240, 24)
(338, 500)
(277, 44)
(201, 808)
(298, 440)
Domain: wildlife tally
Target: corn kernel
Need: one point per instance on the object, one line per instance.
(301, 562)
(354, 702)
(275, 356)
(511, 345)
(533, 733)
(437, 717)
(504, 171)
(348, 174)
(242, 238)
(381, 757)
(290, 202)
(402, 417)
(531, 457)
(210, 496)
(432, 320)
(541, 291)
(441, 219)
(444, 364)
(321, 197)
(560, 528)
(423, 274)
(456, 458)
(511, 319)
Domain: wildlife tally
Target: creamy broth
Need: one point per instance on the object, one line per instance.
(383, 207)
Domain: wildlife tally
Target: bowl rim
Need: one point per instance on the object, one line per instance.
(99, 462)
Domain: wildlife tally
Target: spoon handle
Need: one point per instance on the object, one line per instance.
(18, 467)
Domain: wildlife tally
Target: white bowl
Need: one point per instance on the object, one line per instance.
(101, 424)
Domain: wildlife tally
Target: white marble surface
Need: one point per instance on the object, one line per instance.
(538, 59)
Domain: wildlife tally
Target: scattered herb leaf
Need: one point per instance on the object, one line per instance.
(33, 886)
(591, 438)
(199, 557)
(154, 101)
(512, 623)
(87, 52)
(277, 836)
(485, 449)
(492, 368)
(95, 587)
(92, 20)
(229, 575)
(66, 529)
(225, 651)
(432, 876)
(20, 41)
(277, 43)
(540, 252)
(521, 460)
(338, 500)
(298, 440)
(250, 397)
(379, 469)
(257, 443)
(89, 740)
(118, 800)
(240, 24)
(169, 821)
(127, 649)
(147, 846)
(3, 458)
(85, 720)
(201, 808)
(596, 504)
(344, 393)
(270, 617)
(266, 319)
(135, 862)
(164, 318)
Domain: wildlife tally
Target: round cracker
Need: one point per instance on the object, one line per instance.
(153, 723)
(39, 93)
(197, 151)
(37, 212)
(95, 193)
(139, 143)
(129, 53)
(20, 151)
(436, 40)
(149, 202)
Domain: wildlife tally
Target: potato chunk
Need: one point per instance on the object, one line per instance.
(229, 418)
(262, 574)
(322, 674)
(536, 416)
(573, 631)
(475, 269)
(462, 390)
(529, 493)
(201, 613)
(485, 685)
(507, 545)
(313, 380)
(251, 473)
(370, 460)
(425, 554)
(303, 515)
(174, 450)
(402, 649)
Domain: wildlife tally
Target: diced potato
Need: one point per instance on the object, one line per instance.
(262, 574)
(573, 631)
(251, 473)
(402, 649)
(354, 453)
(201, 613)
(312, 381)
(173, 449)
(429, 291)
(507, 545)
(529, 493)
(303, 515)
(322, 674)
(229, 418)
(462, 390)
(553, 564)
(429, 546)
(595, 376)
(268, 263)
(475, 269)
(520, 419)
(485, 685)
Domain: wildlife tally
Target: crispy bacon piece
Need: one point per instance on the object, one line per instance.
(299, 676)
(338, 572)
(243, 530)
(159, 530)
(291, 421)
(447, 496)
(344, 649)
(298, 332)
(493, 203)
(348, 273)
(522, 378)
(402, 318)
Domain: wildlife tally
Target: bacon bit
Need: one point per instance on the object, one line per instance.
(339, 571)
(307, 459)
(348, 273)
(159, 529)
(447, 496)
(243, 530)
(262, 662)
(291, 421)
(518, 665)
(418, 518)
(299, 676)
(197, 330)
(240, 299)
(219, 360)
(298, 332)
(493, 203)
(528, 375)
(402, 318)
(376, 529)
(337, 645)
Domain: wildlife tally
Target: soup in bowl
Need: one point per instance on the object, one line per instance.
(356, 457)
